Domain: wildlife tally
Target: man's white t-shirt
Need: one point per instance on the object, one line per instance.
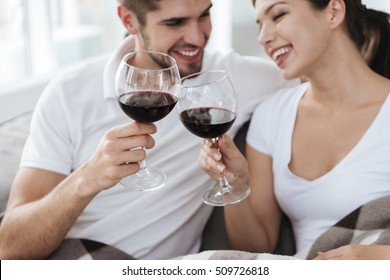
(314, 206)
(75, 111)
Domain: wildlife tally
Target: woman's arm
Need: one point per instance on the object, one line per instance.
(253, 224)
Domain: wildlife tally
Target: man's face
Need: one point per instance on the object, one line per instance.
(180, 28)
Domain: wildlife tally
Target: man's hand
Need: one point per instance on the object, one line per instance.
(116, 156)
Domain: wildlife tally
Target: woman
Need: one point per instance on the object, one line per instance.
(318, 151)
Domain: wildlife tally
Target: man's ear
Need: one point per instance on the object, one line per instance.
(128, 18)
(336, 12)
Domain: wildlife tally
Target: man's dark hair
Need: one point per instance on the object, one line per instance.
(141, 8)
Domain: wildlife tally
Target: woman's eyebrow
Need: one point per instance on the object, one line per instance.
(266, 12)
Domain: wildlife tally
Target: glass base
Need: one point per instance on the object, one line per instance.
(217, 197)
(144, 180)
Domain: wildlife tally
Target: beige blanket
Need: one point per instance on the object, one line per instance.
(368, 224)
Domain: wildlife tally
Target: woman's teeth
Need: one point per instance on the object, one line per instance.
(280, 52)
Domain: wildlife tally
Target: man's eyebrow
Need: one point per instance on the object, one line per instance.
(182, 18)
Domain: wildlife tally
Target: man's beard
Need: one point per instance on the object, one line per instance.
(163, 63)
(190, 69)
(193, 68)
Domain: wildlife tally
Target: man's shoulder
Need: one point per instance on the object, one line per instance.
(232, 59)
(87, 70)
(76, 83)
(256, 73)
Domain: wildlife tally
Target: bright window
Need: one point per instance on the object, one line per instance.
(42, 36)
(13, 54)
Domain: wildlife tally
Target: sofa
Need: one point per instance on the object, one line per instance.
(14, 132)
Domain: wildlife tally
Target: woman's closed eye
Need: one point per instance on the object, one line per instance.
(278, 16)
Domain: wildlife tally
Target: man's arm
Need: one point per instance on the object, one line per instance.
(43, 205)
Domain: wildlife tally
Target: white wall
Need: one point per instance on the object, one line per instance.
(245, 30)
(383, 5)
(221, 17)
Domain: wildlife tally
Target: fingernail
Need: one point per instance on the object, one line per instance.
(217, 156)
(220, 168)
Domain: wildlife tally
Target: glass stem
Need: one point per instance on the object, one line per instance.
(142, 164)
(223, 182)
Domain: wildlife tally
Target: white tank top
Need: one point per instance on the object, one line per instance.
(314, 206)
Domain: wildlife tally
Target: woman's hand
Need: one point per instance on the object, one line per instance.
(227, 160)
(356, 252)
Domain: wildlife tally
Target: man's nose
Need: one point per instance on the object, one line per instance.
(195, 35)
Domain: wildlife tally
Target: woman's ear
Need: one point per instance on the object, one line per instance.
(336, 11)
(128, 18)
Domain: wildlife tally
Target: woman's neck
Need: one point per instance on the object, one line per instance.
(343, 77)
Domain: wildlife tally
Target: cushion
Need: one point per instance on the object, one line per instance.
(13, 135)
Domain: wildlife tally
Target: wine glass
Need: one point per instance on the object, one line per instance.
(146, 85)
(207, 107)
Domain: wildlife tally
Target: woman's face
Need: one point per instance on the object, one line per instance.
(293, 34)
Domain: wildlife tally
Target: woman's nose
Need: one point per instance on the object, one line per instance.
(266, 36)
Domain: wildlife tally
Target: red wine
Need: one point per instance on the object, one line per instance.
(147, 106)
(207, 122)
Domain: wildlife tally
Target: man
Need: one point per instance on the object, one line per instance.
(80, 139)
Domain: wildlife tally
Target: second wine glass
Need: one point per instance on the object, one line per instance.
(146, 86)
(207, 107)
